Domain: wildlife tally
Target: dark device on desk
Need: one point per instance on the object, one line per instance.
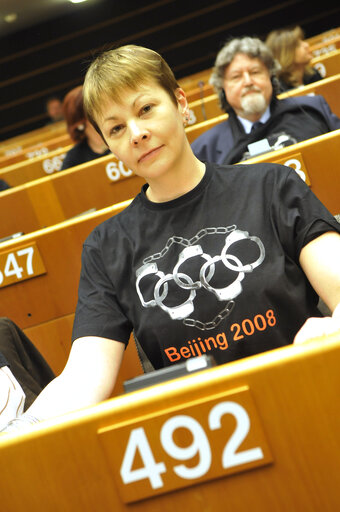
(175, 371)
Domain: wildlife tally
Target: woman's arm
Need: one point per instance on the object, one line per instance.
(320, 260)
(88, 378)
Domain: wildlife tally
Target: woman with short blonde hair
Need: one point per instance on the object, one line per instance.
(200, 252)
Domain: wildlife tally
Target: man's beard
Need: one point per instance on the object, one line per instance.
(253, 103)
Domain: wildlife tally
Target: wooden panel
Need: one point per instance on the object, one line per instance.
(53, 294)
(45, 202)
(95, 184)
(22, 216)
(295, 391)
(33, 206)
(196, 130)
(199, 92)
(15, 144)
(53, 340)
(324, 47)
(23, 263)
(38, 149)
(321, 161)
(34, 168)
(203, 109)
(327, 87)
(193, 81)
(328, 35)
(328, 64)
(197, 429)
(89, 185)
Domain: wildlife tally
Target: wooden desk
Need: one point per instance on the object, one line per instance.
(324, 47)
(197, 129)
(191, 82)
(328, 87)
(46, 201)
(16, 144)
(328, 64)
(281, 408)
(318, 161)
(203, 109)
(327, 35)
(40, 287)
(36, 150)
(34, 168)
(46, 286)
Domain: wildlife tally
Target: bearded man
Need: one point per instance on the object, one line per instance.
(244, 77)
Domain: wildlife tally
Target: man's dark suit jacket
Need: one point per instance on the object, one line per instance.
(215, 144)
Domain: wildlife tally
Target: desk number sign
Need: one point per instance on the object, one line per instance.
(191, 444)
(296, 162)
(22, 263)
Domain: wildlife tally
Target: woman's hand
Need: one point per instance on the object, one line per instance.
(315, 327)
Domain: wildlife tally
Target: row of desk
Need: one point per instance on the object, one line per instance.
(260, 434)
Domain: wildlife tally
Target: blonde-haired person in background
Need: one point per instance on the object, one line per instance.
(200, 249)
(294, 56)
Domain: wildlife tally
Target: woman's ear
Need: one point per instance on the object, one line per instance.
(181, 98)
(183, 105)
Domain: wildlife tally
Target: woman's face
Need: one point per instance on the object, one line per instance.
(146, 130)
(303, 55)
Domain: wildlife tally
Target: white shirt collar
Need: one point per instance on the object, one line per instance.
(248, 124)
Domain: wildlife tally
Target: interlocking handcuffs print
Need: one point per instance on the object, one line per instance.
(207, 270)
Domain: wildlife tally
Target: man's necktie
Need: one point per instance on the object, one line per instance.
(256, 125)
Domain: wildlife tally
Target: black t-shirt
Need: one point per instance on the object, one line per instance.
(3, 360)
(215, 271)
(79, 154)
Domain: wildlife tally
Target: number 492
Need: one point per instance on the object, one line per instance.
(200, 445)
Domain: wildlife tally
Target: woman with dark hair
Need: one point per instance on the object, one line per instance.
(89, 144)
(294, 56)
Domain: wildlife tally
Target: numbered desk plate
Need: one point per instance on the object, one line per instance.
(116, 170)
(295, 161)
(20, 264)
(183, 446)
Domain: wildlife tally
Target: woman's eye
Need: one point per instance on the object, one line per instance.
(115, 129)
(146, 109)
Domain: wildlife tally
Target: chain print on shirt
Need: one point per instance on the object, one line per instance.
(193, 250)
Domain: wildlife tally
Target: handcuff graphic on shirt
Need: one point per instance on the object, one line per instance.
(193, 249)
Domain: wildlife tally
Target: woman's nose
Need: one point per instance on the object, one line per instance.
(138, 133)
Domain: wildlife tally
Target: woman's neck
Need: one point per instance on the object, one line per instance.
(178, 183)
(298, 74)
